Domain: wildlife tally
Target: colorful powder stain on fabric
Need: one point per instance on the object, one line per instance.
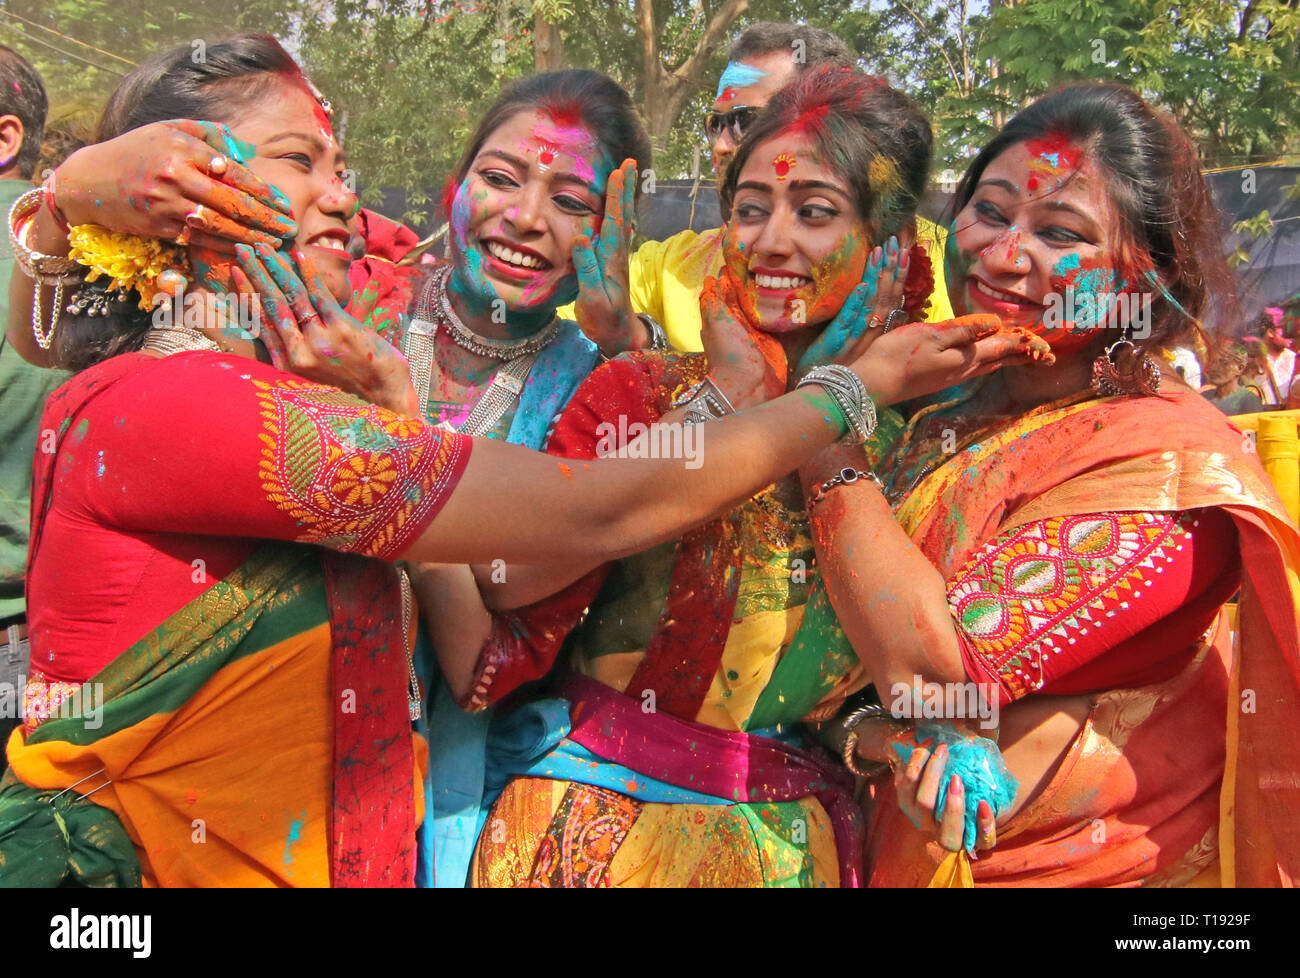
(737, 74)
(295, 833)
(783, 164)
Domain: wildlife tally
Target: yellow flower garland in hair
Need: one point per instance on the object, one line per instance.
(132, 262)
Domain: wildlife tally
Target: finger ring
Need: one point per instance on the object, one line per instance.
(889, 323)
(217, 166)
(196, 218)
(304, 320)
(183, 236)
(875, 322)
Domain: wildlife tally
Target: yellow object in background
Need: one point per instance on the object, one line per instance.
(1278, 444)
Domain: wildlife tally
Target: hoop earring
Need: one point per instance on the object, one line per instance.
(1141, 376)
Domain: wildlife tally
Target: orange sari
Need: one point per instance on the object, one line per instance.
(1161, 778)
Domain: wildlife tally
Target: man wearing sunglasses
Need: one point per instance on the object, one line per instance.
(665, 278)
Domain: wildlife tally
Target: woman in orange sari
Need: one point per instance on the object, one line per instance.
(1070, 536)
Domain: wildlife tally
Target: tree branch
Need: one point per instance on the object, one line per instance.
(688, 72)
(929, 36)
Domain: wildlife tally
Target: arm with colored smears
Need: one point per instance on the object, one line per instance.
(573, 511)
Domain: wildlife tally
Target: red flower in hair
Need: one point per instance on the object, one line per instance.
(919, 284)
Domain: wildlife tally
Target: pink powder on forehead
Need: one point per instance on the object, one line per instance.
(582, 168)
(572, 136)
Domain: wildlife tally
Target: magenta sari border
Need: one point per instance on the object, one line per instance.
(723, 763)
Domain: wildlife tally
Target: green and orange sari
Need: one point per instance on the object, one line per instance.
(221, 683)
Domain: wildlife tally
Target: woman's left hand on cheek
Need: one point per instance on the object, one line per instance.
(311, 335)
(865, 311)
(604, 304)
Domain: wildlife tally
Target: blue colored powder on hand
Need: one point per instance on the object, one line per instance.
(979, 764)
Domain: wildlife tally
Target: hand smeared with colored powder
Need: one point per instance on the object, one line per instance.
(722, 297)
(975, 760)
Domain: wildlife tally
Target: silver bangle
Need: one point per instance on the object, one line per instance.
(850, 396)
(50, 270)
(705, 402)
(850, 726)
(889, 320)
(658, 338)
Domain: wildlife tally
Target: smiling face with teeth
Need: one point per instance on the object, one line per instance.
(533, 188)
(796, 243)
(295, 151)
(1040, 222)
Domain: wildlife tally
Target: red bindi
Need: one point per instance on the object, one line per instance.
(783, 164)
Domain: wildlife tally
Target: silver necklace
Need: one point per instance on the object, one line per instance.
(484, 346)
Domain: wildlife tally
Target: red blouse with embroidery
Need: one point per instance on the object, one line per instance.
(1080, 603)
(170, 477)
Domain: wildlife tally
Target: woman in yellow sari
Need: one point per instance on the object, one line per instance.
(674, 757)
(1069, 537)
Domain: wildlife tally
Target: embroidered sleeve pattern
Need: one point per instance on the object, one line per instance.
(354, 476)
(1043, 599)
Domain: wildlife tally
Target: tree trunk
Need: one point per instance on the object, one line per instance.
(663, 90)
(548, 45)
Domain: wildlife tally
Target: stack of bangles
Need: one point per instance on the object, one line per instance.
(44, 270)
(850, 724)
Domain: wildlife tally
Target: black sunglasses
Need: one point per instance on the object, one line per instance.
(736, 119)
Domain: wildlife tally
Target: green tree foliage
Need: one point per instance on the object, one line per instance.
(82, 48)
(1228, 70)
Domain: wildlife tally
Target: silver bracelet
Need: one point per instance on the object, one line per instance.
(846, 477)
(850, 727)
(658, 338)
(705, 402)
(850, 396)
(50, 270)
